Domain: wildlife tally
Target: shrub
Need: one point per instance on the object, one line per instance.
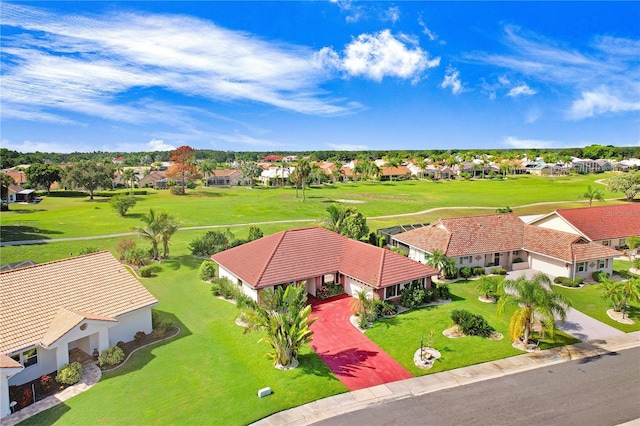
(450, 275)
(245, 302)
(211, 242)
(88, 250)
(122, 203)
(443, 291)
(477, 270)
(499, 271)
(225, 288)
(21, 395)
(558, 280)
(139, 337)
(399, 251)
(45, 384)
(146, 271)
(68, 194)
(636, 263)
(430, 295)
(136, 256)
(412, 296)
(329, 290)
(599, 276)
(122, 345)
(471, 324)
(176, 190)
(466, 272)
(518, 260)
(579, 280)
(207, 270)
(69, 374)
(567, 282)
(123, 245)
(112, 356)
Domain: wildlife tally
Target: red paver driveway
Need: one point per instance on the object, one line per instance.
(356, 361)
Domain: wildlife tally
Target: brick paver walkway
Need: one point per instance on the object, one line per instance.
(91, 375)
(355, 360)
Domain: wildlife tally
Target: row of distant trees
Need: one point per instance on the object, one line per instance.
(9, 158)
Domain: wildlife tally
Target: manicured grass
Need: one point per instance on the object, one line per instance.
(209, 374)
(400, 336)
(588, 301)
(74, 217)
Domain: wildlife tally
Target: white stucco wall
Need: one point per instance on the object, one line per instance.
(556, 222)
(129, 324)
(246, 288)
(46, 364)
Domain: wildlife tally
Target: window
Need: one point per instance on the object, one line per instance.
(465, 259)
(581, 267)
(623, 242)
(606, 243)
(392, 291)
(26, 358)
(602, 264)
(328, 279)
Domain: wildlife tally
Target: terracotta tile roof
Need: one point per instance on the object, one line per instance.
(592, 251)
(303, 253)
(8, 362)
(226, 172)
(395, 171)
(550, 242)
(95, 286)
(65, 320)
(466, 236)
(604, 222)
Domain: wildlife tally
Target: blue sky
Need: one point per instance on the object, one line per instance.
(322, 75)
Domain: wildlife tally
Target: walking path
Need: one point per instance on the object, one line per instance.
(91, 375)
(353, 401)
(190, 228)
(354, 359)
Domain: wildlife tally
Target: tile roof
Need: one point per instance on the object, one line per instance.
(465, 236)
(604, 222)
(225, 172)
(8, 362)
(550, 242)
(95, 286)
(64, 321)
(303, 253)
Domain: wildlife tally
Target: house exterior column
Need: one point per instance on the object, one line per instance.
(103, 339)
(62, 355)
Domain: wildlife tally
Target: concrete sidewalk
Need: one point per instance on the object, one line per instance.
(357, 400)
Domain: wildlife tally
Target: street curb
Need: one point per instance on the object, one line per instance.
(357, 400)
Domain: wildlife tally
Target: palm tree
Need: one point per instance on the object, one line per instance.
(206, 167)
(591, 193)
(610, 290)
(168, 225)
(438, 260)
(337, 214)
(362, 305)
(251, 171)
(285, 317)
(633, 243)
(152, 231)
(535, 306)
(505, 209)
(303, 169)
(629, 290)
(488, 286)
(129, 175)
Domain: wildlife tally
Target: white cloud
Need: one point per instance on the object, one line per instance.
(380, 55)
(89, 65)
(159, 145)
(353, 13)
(347, 147)
(601, 78)
(426, 31)
(514, 142)
(392, 14)
(520, 90)
(452, 80)
(600, 102)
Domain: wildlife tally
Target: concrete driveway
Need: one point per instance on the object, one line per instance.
(578, 325)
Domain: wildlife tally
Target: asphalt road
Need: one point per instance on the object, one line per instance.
(602, 390)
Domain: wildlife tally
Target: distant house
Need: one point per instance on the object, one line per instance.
(18, 176)
(226, 178)
(540, 169)
(151, 180)
(273, 175)
(604, 165)
(320, 257)
(606, 225)
(118, 160)
(504, 241)
(272, 158)
(394, 173)
(88, 303)
(17, 194)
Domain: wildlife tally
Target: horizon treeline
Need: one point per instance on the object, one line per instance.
(10, 158)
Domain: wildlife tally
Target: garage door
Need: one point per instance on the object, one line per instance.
(551, 267)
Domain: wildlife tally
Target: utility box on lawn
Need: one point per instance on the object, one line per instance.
(264, 392)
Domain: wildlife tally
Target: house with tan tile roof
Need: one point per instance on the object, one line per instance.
(318, 257)
(88, 302)
(504, 241)
(610, 226)
(227, 177)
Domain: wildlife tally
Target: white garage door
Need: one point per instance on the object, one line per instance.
(551, 267)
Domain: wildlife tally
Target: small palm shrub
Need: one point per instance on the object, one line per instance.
(471, 324)
(69, 374)
(599, 276)
(466, 272)
(112, 356)
(443, 291)
(136, 256)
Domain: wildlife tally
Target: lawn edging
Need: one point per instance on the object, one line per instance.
(108, 370)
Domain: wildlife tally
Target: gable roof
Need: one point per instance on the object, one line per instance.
(94, 286)
(466, 236)
(299, 254)
(604, 222)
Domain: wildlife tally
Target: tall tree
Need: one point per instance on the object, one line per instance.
(303, 169)
(168, 225)
(627, 183)
(285, 317)
(151, 231)
(535, 306)
(488, 286)
(206, 167)
(89, 175)
(250, 170)
(183, 159)
(41, 174)
(592, 193)
(129, 175)
(346, 221)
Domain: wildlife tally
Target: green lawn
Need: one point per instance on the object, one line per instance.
(400, 336)
(74, 217)
(588, 301)
(209, 374)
